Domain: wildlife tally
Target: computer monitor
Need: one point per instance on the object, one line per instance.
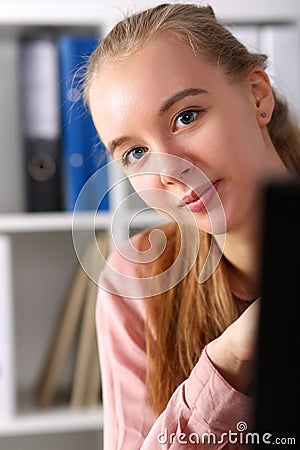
(278, 365)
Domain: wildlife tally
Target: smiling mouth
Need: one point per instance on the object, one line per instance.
(197, 200)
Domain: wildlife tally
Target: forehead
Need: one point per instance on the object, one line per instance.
(140, 83)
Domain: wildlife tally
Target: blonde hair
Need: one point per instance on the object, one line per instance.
(183, 320)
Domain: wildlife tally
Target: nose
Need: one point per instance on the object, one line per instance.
(169, 179)
(173, 169)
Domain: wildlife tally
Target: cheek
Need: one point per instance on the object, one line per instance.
(153, 193)
(144, 184)
(241, 144)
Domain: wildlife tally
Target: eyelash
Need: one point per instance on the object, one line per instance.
(196, 113)
(125, 161)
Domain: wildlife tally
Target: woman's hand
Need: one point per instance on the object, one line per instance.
(234, 352)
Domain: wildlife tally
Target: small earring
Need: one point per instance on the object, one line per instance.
(263, 114)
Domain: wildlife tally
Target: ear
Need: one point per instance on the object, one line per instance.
(261, 95)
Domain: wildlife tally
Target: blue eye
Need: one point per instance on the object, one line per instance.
(184, 119)
(134, 155)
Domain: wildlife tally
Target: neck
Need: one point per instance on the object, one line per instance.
(242, 245)
(241, 252)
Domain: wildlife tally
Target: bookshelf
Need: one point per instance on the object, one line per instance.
(54, 421)
(49, 222)
(42, 253)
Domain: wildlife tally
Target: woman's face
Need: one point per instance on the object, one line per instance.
(163, 110)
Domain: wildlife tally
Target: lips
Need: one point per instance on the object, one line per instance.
(197, 200)
(193, 196)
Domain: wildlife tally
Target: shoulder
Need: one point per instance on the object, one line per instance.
(120, 299)
(122, 269)
(132, 262)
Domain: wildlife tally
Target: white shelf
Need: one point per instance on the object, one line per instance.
(257, 10)
(48, 222)
(56, 12)
(58, 420)
(16, 14)
(63, 221)
(96, 11)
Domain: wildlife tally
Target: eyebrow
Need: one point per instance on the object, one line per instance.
(112, 145)
(179, 96)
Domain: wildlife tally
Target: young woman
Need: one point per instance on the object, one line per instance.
(192, 118)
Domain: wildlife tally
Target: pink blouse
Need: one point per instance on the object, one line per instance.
(205, 411)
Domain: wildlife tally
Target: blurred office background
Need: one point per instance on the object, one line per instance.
(38, 262)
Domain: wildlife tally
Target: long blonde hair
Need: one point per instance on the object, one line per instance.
(181, 321)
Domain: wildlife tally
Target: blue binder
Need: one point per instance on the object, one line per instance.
(82, 153)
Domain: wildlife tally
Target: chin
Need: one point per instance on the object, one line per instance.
(214, 223)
